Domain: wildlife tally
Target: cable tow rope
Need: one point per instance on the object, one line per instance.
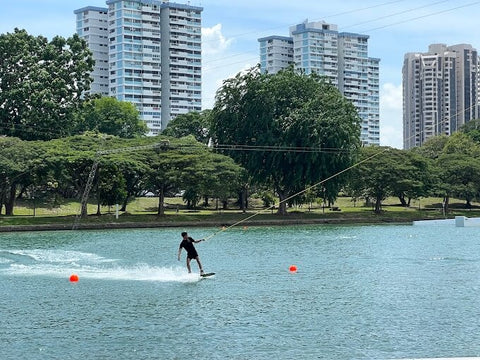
(294, 195)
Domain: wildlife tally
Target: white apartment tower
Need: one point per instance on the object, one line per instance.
(440, 92)
(315, 47)
(318, 47)
(372, 130)
(92, 25)
(276, 53)
(154, 56)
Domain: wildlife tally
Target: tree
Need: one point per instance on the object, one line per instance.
(432, 148)
(387, 172)
(372, 179)
(70, 162)
(472, 129)
(417, 180)
(458, 169)
(210, 175)
(288, 130)
(460, 177)
(187, 164)
(132, 158)
(41, 84)
(18, 165)
(462, 144)
(111, 184)
(110, 116)
(134, 171)
(193, 123)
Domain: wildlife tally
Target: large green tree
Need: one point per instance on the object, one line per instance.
(193, 123)
(416, 177)
(433, 147)
(70, 161)
(19, 161)
(111, 185)
(457, 166)
(108, 115)
(472, 129)
(384, 172)
(189, 165)
(460, 178)
(41, 83)
(134, 171)
(288, 130)
(210, 175)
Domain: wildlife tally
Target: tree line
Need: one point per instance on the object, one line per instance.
(445, 166)
(271, 133)
(61, 167)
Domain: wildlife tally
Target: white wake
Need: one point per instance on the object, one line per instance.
(62, 264)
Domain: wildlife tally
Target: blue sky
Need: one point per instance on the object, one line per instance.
(231, 29)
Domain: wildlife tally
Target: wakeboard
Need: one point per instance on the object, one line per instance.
(207, 274)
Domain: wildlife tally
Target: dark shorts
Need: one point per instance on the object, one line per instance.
(192, 255)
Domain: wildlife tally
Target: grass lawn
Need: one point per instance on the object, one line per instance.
(144, 210)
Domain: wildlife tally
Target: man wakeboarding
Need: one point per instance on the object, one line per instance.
(187, 244)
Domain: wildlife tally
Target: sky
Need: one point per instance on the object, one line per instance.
(230, 32)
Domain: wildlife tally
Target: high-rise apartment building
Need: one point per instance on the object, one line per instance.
(154, 56)
(92, 25)
(318, 47)
(440, 92)
(276, 53)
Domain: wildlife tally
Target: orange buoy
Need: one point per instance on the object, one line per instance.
(73, 278)
(293, 268)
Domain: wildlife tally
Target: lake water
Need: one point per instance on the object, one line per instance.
(360, 292)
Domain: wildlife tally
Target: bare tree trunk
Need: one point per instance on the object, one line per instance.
(161, 200)
(83, 212)
(243, 200)
(445, 203)
(124, 203)
(99, 210)
(2, 199)
(282, 206)
(468, 204)
(10, 200)
(378, 205)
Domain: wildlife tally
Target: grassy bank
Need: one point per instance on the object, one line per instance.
(142, 212)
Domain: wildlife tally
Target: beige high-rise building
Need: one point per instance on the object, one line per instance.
(440, 92)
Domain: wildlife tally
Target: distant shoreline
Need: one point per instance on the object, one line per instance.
(143, 214)
(187, 224)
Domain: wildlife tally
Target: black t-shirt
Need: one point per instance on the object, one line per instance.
(188, 246)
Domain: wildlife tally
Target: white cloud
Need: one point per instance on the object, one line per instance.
(391, 96)
(219, 62)
(391, 117)
(213, 41)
